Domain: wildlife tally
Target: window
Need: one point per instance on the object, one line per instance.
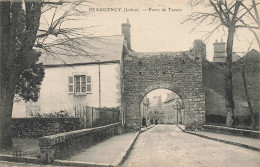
(32, 110)
(80, 84)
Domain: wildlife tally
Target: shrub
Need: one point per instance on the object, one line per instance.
(62, 113)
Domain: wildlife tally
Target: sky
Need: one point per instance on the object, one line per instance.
(156, 26)
(158, 92)
(154, 29)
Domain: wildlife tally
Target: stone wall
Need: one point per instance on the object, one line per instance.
(214, 84)
(38, 127)
(65, 144)
(231, 131)
(180, 72)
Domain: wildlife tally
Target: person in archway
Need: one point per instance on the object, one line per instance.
(144, 122)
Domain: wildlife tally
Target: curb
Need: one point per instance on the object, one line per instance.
(223, 141)
(126, 152)
(149, 127)
(232, 131)
(80, 163)
(181, 128)
(5, 157)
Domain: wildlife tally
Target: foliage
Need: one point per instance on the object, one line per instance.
(113, 109)
(178, 104)
(24, 36)
(28, 86)
(31, 75)
(236, 14)
(29, 37)
(60, 114)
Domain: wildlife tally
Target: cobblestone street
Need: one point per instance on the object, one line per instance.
(168, 146)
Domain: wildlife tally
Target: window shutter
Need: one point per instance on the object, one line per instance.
(89, 86)
(71, 84)
(83, 84)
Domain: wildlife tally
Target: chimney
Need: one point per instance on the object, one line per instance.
(200, 48)
(127, 33)
(219, 51)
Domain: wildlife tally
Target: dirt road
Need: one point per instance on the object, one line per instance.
(168, 146)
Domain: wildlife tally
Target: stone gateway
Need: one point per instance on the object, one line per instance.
(180, 72)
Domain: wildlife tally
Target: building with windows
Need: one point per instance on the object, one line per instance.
(173, 109)
(155, 110)
(92, 80)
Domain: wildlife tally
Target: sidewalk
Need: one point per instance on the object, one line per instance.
(111, 152)
(246, 142)
(106, 153)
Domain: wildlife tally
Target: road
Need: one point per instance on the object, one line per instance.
(168, 146)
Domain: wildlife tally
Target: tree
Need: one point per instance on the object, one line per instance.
(249, 65)
(24, 36)
(233, 16)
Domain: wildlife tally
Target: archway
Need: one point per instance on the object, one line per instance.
(180, 72)
(162, 106)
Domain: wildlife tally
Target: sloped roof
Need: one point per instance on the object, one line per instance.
(170, 97)
(235, 57)
(99, 49)
(252, 56)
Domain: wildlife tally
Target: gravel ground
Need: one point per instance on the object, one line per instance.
(168, 146)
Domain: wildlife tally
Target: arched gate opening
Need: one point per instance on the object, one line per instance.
(180, 72)
(162, 106)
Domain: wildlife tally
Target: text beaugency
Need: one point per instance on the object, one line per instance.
(106, 9)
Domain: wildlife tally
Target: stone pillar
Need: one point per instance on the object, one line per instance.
(47, 154)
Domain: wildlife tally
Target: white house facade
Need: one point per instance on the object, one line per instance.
(79, 80)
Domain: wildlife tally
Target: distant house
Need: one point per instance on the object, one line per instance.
(155, 110)
(92, 80)
(220, 52)
(173, 109)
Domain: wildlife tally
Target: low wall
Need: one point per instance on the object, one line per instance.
(232, 131)
(65, 144)
(38, 127)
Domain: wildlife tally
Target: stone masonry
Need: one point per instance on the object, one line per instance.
(180, 72)
(66, 144)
